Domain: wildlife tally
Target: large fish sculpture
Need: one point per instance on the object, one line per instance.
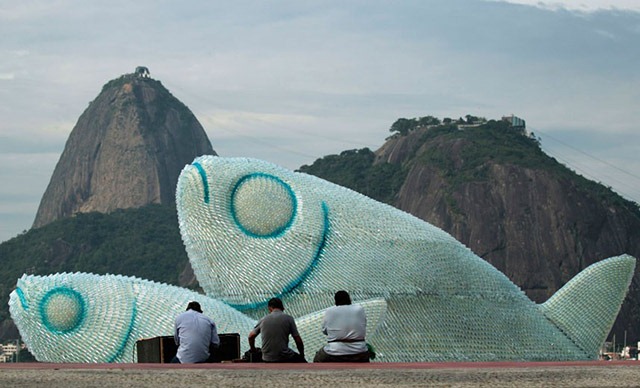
(254, 230)
(83, 318)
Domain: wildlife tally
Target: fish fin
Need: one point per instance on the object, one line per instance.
(310, 325)
(586, 307)
(376, 309)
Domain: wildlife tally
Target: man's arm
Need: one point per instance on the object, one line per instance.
(324, 324)
(293, 330)
(215, 340)
(299, 344)
(176, 334)
(252, 340)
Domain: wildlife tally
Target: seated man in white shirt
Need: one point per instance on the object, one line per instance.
(345, 326)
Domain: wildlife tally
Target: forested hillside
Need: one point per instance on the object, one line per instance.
(142, 242)
(491, 186)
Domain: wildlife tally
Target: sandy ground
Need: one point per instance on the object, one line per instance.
(132, 375)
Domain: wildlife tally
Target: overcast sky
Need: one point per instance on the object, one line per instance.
(292, 81)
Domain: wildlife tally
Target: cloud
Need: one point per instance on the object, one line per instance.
(580, 5)
(295, 81)
(27, 9)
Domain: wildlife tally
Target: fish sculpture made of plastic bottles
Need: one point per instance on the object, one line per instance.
(254, 230)
(88, 318)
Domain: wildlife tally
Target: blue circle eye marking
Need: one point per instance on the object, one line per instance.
(296, 282)
(263, 205)
(62, 310)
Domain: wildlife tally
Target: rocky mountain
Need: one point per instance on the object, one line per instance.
(126, 151)
(493, 189)
(489, 185)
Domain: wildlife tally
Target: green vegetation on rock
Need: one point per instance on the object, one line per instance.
(142, 242)
(356, 170)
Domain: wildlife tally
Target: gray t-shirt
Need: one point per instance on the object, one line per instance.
(275, 329)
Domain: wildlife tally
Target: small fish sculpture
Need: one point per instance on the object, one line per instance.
(254, 230)
(87, 318)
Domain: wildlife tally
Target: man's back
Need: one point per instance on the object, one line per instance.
(275, 329)
(345, 327)
(194, 332)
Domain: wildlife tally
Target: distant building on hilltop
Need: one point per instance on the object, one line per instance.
(142, 71)
(516, 122)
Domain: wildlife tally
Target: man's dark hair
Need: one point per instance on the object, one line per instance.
(195, 306)
(342, 298)
(275, 303)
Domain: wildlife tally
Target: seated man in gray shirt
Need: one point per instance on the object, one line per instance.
(194, 333)
(275, 329)
(345, 326)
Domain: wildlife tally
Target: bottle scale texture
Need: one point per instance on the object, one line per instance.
(254, 231)
(81, 317)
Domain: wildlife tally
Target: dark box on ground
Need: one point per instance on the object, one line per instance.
(229, 348)
(162, 349)
(156, 350)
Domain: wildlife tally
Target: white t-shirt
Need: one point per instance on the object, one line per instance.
(345, 322)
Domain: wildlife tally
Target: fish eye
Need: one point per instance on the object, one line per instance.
(62, 310)
(263, 205)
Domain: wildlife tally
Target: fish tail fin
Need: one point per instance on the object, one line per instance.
(586, 307)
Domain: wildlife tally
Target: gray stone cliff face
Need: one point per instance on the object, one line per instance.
(126, 150)
(538, 227)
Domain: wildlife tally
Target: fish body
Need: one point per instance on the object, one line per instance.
(88, 318)
(254, 230)
(80, 317)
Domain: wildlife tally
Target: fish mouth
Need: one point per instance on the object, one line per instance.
(20, 311)
(21, 297)
(205, 183)
(18, 302)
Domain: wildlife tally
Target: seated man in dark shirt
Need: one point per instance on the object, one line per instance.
(275, 329)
